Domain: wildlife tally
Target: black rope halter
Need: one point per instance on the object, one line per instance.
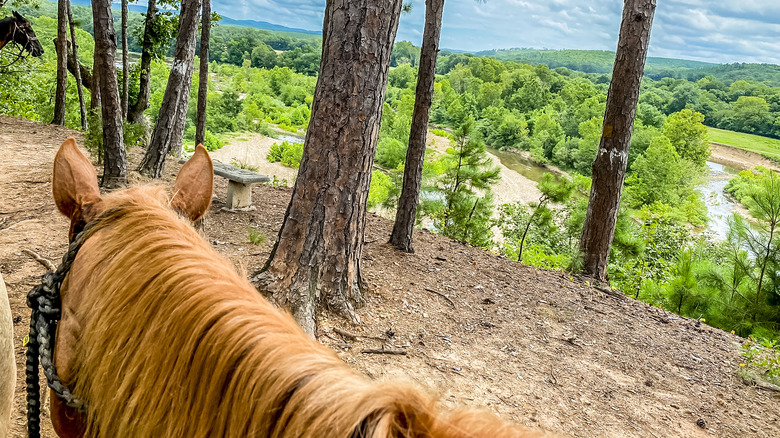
(44, 300)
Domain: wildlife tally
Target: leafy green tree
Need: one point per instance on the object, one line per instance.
(263, 56)
(688, 135)
(516, 220)
(405, 52)
(684, 95)
(751, 114)
(486, 69)
(660, 175)
(684, 292)
(762, 237)
(466, 206)
(502, 128)
(547, 133)
(403, 76)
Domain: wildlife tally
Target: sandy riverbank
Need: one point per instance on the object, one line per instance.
(253, 148)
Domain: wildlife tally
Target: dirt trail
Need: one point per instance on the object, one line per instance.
(540, 348)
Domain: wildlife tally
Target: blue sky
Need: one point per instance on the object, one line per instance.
(722, 31)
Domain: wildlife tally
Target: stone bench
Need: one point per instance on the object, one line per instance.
(239, 192)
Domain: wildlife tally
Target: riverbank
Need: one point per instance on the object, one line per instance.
(739, 158)
(252, 149)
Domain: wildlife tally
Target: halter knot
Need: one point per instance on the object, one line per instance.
(44, 300)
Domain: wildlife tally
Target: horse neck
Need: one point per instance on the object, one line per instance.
(6, 25)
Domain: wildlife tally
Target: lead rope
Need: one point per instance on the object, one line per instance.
(44, 300)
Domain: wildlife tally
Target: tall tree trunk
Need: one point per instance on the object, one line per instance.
(316, 260)
(114, 161)
(203, 75)
(77, 71)
(609, 167)
(125, 65)
(61, 43)
(136, 113)
(169, 129)
(406, 213)
(94, 101)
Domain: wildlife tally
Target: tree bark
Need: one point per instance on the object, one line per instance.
(76, 71)
(114, 162)
(125, 65)
(169, 129)
(406, 214)
(203, 75)
(136, 113)
(609, 167)
(84, 72)
(61, 45)
(315, 262)
(94, 101)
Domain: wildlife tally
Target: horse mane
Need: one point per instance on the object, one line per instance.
(176, 344)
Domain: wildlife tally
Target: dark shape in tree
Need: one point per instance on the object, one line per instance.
(84, 72)
(406, 213)
(203, 74)
(114, 162)
(609, 168)
(94, 101)
(125, 64)
(136, 113)
(60, 44)
(73, 59)
(169, 129)
(316, 260)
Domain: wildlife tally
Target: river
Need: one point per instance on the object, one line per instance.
(719, 206)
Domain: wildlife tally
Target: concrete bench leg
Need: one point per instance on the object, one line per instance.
(239, 195)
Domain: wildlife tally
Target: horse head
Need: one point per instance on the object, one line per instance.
(24, 35)
(77, 196)
(160, 336)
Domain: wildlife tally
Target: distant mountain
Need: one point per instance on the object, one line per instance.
(588, 61)
(225, 19)
(266, 25)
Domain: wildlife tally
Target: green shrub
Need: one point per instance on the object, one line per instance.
(442, 133)
(256, 237)
(244, 165)
(211, 142)
(390, 153)
(135, 134)
(289, 154)
(763, 354)
(382, 186)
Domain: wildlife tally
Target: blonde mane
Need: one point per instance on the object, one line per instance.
(175, 344)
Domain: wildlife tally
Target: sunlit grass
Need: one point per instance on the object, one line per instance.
(768, 147)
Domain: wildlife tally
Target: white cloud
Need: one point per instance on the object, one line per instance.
(707, 30)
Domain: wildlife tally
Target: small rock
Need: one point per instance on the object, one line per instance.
(701, 423)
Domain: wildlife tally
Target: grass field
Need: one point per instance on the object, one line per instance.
(768, 147)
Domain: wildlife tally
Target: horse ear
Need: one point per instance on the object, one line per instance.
(17, 15)
(74, 183)
(194, 185)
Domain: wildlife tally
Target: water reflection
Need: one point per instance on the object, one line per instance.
(719, 206)
(524, 166)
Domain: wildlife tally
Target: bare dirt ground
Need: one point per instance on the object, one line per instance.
(740, 159)
(540, 348)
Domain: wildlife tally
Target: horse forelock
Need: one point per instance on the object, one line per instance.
(175, 343)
